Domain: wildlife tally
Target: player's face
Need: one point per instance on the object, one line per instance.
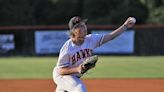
(79, 35)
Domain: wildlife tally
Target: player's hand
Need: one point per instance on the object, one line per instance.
(130, 22)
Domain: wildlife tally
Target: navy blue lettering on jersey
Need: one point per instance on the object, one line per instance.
(81, 55)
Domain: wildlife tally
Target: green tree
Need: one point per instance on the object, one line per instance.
(114, 11)
(15, 12)
(63, 10)
(50, 12)
(38, 12)
(156, 9)
(130, 8)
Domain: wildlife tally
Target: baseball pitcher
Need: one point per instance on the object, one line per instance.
(76, 58)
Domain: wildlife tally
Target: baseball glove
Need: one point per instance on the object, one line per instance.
(89, 63)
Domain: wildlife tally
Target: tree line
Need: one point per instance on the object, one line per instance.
(58, 12)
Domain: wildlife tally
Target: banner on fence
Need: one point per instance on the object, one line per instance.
(6, 43)
(49, 42)
(123, 44)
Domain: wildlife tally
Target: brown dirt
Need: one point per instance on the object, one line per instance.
(93, 85)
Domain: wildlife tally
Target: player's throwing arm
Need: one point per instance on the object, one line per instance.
(129, 23)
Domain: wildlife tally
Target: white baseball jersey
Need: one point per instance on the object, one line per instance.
(72, 55)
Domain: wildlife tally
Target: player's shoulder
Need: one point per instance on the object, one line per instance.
(93, 35)
(65, 47)
(89, 35)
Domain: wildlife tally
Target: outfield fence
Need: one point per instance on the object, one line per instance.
(47, 40)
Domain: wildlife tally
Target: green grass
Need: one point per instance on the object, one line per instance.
(107, 67)
(129, 67)
(26, 68)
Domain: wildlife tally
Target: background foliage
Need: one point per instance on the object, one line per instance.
(56, 12)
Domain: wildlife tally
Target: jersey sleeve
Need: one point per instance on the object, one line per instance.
(96, 40)
(63, 60)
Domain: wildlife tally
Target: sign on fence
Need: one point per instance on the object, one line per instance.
(6, 43)
(49, 42)
(123, 44)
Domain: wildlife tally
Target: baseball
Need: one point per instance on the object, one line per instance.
(133, 20)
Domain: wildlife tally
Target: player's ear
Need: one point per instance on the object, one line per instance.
(72, 34)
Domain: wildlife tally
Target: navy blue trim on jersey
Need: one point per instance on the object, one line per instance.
(100, 42)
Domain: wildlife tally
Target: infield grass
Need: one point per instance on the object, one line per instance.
(107, 67)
